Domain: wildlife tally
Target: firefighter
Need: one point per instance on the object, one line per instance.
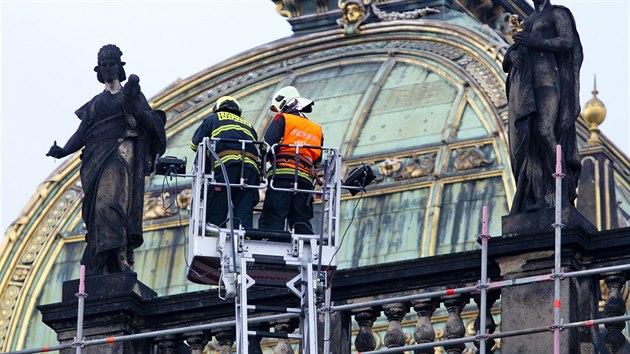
(225, 122)
(290, 126)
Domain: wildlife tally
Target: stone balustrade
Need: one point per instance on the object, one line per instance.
(398, 323)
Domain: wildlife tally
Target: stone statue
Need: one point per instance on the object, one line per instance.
(121, 136)
(543, 68)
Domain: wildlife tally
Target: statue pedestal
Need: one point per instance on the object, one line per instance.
(531, 305)
(112, 308)
(107, 286)
(540, 221)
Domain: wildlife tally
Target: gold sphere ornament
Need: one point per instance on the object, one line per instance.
(594, 114)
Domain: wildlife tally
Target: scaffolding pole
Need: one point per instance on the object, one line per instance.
(557, 275)
(81, 295)
(483, 283)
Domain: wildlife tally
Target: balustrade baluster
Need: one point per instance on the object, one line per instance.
(454, 327)
(424, 332)
(615, 306)
(491, 326)
(197, 341)
(395, 313)
(167, 344)
(285, 326)
(365, 318)
(226, 338)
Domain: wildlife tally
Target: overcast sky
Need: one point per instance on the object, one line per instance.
(49, 51)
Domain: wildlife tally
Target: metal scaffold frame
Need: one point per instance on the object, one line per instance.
(312, 255)
(482, 288)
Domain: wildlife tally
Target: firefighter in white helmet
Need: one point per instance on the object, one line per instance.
(290, 126)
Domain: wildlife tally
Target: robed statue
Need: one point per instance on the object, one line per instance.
(120, 135)
(543, 69)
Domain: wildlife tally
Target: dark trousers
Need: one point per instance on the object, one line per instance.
(243, 199)
(279, 206)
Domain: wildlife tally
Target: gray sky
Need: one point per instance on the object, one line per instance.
(49, 50)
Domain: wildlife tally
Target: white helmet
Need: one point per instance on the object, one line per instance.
(288, 96)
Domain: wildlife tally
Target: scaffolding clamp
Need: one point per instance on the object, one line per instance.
(559, 327)
(481, 285)
(554, 275)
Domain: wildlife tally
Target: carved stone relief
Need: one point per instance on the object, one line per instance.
(389, 166)
(470, 158)
(163, 205)
(400, 168)
(419, 166)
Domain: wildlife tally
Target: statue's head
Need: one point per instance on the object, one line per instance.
(110, 52)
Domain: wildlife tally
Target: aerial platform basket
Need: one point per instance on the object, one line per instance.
(236, 259)
(275, 252)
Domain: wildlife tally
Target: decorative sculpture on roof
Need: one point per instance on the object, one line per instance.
(543, 69)
(159, 206)
(389, 166)
(353, 13)
(120, 135)
(515, 25)
(407, 15)
(418, 166)
(469, 158)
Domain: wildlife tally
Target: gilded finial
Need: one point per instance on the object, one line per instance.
(594, 114)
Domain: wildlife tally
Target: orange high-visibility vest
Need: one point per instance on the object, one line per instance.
(302, 132)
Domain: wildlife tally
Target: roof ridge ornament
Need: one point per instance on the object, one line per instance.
(406, 15)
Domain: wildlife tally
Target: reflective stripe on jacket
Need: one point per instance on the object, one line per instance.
(227, 125)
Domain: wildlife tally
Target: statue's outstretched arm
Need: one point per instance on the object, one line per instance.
(73, 145)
